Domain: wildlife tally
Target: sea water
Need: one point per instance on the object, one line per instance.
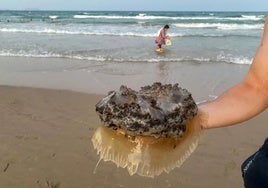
(107, 36)
(97, 51)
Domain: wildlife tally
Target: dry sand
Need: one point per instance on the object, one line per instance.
(45, 141)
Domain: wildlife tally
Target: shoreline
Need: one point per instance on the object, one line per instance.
(46, 138)
(204, 81)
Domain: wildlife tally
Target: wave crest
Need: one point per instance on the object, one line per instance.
(218, 59)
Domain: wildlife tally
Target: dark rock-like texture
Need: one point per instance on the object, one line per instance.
(157, 110)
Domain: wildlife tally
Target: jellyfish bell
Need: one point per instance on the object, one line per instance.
(147, 131)
(145, 155)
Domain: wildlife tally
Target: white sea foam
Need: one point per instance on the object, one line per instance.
(218, 18)
(21, 53)
(82, 16)
(142, 14)
(103, 32)
(235, 60)
(218, 59)
(252, 17)
(45, 30)
(49, 31)
(78, 32)
(106, 17)
(149, 17)
(53, 17)
(219, 26)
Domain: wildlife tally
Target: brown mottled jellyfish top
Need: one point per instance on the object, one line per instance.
(157, 110)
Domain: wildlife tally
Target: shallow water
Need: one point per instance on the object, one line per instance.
(204, 81)
(214, 37)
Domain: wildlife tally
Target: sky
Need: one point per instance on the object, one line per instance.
(131, 5)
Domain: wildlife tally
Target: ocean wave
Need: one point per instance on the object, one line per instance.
(234, 60)
(218, 59)
(21, 53)
(117, 17)
(59, 31)
(253, 17)
(219, 26)
(45, 30)
(151, 17)
(112, 33)
(53, 17)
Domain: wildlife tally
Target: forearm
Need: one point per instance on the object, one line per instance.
(243, 101)
(236, 105)
(246, 99)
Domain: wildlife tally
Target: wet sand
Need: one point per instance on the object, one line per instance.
(202, 80)
(45, 141)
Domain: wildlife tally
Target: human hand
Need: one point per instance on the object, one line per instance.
(168, 37)
(198, 122)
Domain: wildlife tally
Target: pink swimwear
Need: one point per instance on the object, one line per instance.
(161, 39)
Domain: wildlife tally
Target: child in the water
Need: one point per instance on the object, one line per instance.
(161, 38)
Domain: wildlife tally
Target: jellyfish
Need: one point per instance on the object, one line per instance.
(147, 132)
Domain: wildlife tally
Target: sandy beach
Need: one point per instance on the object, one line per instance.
(45, 141)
